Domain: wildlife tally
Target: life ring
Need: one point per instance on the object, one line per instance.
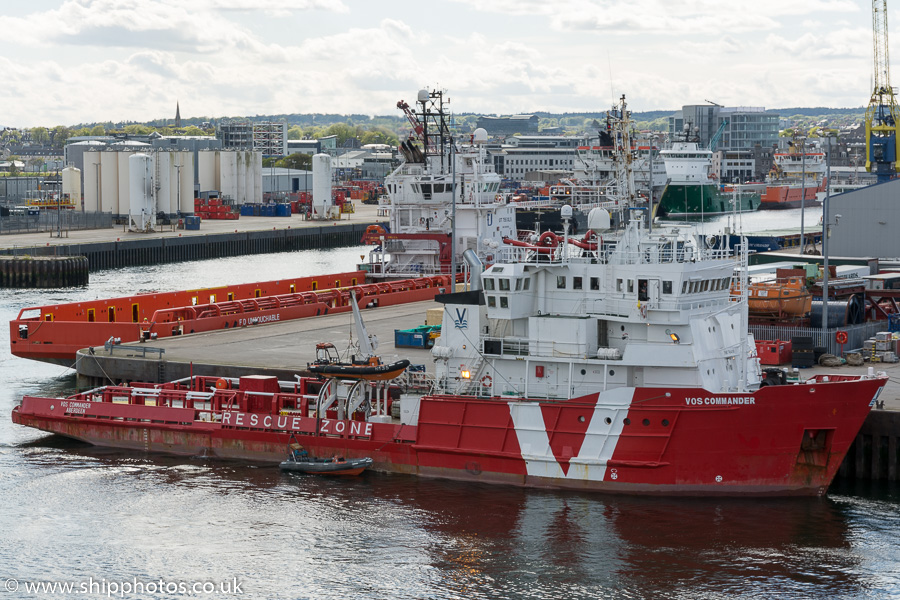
(841, 337)
(222, 384)
(486, 381)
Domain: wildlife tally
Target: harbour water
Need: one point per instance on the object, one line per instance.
(109, 521)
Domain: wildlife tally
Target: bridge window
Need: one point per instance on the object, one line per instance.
(504, 302)
(504, 285)
(667, 287)
(595, 283)
(576, 283)
(488, 284)
(492, 302)
(560, 282)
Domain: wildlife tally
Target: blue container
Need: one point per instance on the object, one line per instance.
(270, 210)
(192, 222)
(246, 210)
(282, 210)
(408, 339)
(256, 208)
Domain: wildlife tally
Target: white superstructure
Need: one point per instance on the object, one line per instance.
(563, 318)
(420, 199)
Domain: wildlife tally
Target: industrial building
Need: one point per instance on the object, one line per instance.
(234, 176)
(270, 138)
(509, 125)
(744, 128)
(864, 222)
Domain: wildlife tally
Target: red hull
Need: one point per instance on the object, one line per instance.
(790, 196)
(780, 440)
(60, 331)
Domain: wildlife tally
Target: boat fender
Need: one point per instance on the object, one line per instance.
(486, 381)
(222, 384)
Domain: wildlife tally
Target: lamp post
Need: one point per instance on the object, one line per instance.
(802, 189)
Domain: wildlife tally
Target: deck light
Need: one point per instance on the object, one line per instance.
(465, 374)
(673, 335)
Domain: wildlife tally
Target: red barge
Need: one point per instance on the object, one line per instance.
(54, 333)
(621, 367)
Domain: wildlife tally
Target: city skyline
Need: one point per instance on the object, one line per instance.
(65, 62)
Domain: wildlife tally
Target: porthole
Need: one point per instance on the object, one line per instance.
(645, 422)
(665, 422)
(627, 421)
(608, 421)
(581, 419)
(583, 372)
(612, 372)
(623, 328)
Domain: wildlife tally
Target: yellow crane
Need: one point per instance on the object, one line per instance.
(882, 114)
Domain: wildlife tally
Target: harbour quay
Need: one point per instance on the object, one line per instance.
(114, 248)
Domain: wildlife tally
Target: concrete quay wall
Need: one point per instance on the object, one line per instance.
(159, 250)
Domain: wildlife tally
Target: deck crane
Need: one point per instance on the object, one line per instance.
(718, 136)
(882, 114)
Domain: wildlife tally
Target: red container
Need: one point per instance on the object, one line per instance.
(774, 352)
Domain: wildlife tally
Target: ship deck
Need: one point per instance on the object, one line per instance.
(281, 349)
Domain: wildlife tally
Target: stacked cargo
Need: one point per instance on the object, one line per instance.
(802, 352)
(214, 208)
(884, 347)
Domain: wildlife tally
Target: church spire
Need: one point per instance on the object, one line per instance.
(177, 115)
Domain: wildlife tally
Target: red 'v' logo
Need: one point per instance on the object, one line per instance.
(566, 428)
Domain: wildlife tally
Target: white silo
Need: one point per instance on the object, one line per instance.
(206, 171)
(91, 181)
(321, 201)
(227, 176)
(185, 175)
(141, 203)
(241, 164)
(255, 194)
(123, 169)
(71, 186)
(109, 182)
(162, 184)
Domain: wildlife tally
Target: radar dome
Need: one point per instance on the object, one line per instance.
(565, 211)
(423, 95)
(599, 220)
(480, 135)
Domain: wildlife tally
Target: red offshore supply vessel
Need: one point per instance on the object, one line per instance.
(614, 363)
(54, 333)
(796, 180)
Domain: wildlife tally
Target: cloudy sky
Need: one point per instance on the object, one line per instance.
(64, 62)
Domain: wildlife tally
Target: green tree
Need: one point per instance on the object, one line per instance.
(295, 133)
(59, 135)
(191, 130)
(11, 135)
(98, 130)
(298, 160)
(40, 135)
(137, 129)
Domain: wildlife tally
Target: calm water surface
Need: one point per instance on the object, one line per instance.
(74, 513)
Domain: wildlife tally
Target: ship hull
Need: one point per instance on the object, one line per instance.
(778, 441)
(680, 200)
(782, 197)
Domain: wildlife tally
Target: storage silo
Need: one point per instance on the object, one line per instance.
(206, 171)
(228, 174)
(257, 194)
(91, 180)
(162, 185)
(124, 171)
(185, 197)
(71, 186)
(321, 201)
(241, 164)
(142, 216)
(108, 200)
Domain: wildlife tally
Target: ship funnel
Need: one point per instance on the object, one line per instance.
(476, 267)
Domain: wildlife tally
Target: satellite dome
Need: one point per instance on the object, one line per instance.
(423, 95)
(480, 135)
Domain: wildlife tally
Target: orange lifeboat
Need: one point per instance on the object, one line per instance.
(787, 297)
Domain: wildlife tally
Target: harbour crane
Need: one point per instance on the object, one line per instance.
(882, 114)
